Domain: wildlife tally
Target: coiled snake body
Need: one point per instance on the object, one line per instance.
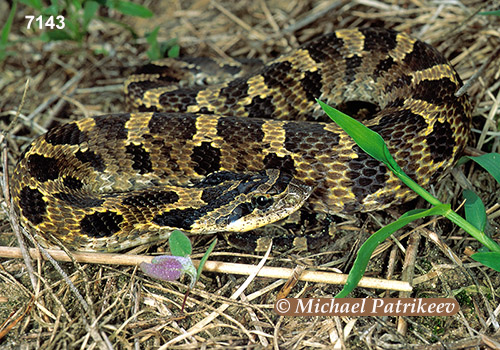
(242, 154)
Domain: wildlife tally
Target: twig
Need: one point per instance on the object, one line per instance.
(238, 21)
(477, 74)
(214, 266)
(54, 97)
(312, 17)
(206, 320)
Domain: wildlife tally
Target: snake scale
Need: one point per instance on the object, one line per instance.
(242, 154)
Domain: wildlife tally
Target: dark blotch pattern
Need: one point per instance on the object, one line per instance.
(43, 168)
(100, 225)
(211, 194)
(179, 218)
(260, 107)
(72, 183)
(32, 205)
(311, 83)
(112, 126)
(281, 183)
(234, 92)
(324, 48)
(79, 201)
(399, 127)
(423, 56)
(275, 75)
(367, 174)
(206, 158)
(352, 64)
(240, 211)
(68, 134)
(401, 82)
(94, 159)
(379, 39)
(152, 68)
(383, 66)
(273, 161)
(240, 130)
(441, 141)
(140, 157)
(219, 177)
(296, 134)
(178, 100)
(151, 199)
(435, 91)
(183, 124)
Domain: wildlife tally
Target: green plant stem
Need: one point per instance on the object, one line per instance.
(473, 231)
(450, 215)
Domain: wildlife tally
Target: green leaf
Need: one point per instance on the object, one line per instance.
(7, 26)
(204, 259)
(54, 35)
(154, 49)
(485, 13)
(129, 8)
(475, 213)
(368, 140)
(366, 250)
(52, 10)
(173, 52)
(490, 162)
(89, 10)
(180, 245)
(35, 4)
(490, 259)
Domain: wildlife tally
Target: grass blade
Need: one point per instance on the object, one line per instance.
(490, 162)
(366, 250)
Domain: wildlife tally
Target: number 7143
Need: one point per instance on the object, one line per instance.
(49, 23)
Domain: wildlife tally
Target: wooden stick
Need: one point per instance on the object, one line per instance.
(213, 266)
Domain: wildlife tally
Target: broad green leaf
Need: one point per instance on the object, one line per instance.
(205, 258)
(378, 237)
(490, 259)
(475, 213)
(490, 162)
(179, 244)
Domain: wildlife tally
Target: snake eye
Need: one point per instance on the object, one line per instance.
(262, 202)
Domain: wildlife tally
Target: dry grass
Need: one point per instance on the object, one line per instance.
(126, 310)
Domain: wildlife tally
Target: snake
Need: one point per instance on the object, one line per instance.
(243, 153)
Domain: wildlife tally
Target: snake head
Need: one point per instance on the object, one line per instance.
(257, 200)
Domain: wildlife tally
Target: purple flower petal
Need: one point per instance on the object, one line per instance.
(168, 267)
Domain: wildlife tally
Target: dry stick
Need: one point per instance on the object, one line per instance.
(476, 75)
(269, 16)
(312, 17)
(408, 274)
(200, 325)
(54, 97)
(238, 21)
(214, 266)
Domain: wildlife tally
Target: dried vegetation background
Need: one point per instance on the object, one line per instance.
(129, 311)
